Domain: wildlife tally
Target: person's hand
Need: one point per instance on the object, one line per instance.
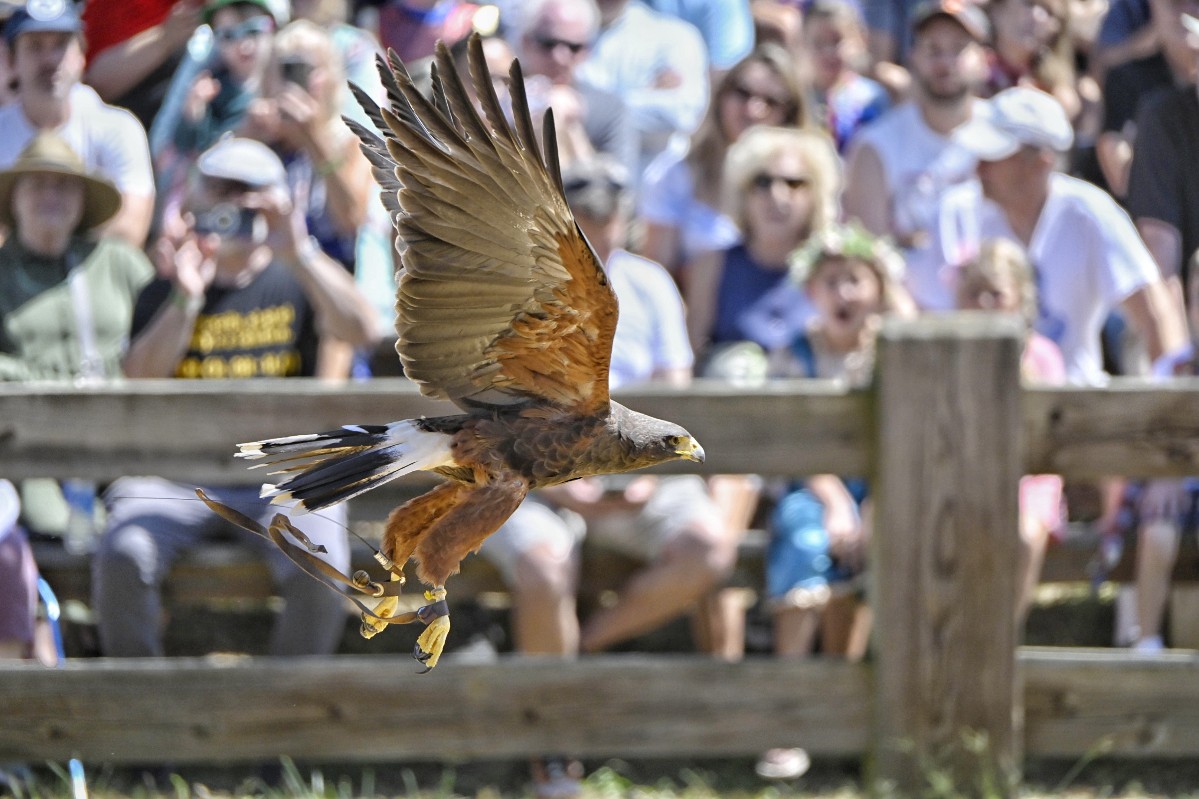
(288, 231)
(846, 540)
(299, 112)
(181, 21)
(203, 89)
(567, 105)
(192, 263)
(1162, 500)
(261, 121)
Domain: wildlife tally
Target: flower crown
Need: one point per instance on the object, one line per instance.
(846, 241)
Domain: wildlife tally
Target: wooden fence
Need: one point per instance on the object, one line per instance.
(944, 432)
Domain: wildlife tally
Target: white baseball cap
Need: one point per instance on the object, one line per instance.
(1014, 118)
(244, 160)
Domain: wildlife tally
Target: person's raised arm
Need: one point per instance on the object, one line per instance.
(341, 309)
(156, 350)
(1154, 314)
(116, 70)
(866, 198)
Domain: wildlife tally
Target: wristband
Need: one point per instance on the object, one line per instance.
(184, 302)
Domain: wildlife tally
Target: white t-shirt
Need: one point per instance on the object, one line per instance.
(919, 164)
(651, 332)
(668, 198)
(109, 139)
(1086, 252)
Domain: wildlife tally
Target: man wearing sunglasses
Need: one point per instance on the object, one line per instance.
(555, 38)
(45, 42)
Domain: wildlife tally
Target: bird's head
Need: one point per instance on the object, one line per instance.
(658, 441)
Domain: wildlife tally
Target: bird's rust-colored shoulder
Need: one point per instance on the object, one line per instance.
(501, 301)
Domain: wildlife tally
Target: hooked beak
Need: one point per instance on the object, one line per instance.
(691, 450)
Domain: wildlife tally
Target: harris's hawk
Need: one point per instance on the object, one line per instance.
(503, 308)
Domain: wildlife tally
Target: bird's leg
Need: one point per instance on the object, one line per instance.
(384, 613)
(436, 617)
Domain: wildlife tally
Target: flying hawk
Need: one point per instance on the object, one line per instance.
(503, 308)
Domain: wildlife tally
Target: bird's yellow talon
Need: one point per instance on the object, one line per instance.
(436, 617)
(431, 642)
(384, 610)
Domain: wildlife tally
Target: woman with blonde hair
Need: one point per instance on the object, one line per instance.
(780, 185)
(680, 196)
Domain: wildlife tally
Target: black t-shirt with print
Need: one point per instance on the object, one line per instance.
(264, 329)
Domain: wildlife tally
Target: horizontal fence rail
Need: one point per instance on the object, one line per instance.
(376, 708)
(189, 429)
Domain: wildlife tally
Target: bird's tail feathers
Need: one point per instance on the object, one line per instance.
(326, 468)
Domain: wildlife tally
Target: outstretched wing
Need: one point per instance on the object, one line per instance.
(500, 300)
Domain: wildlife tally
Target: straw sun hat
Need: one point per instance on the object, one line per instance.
(48, 153)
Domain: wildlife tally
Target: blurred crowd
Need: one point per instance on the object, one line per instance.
(766, 180)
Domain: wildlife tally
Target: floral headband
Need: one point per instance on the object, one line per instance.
(846, 241)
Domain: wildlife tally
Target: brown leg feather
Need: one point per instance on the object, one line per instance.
(478, 511)
(410, 522)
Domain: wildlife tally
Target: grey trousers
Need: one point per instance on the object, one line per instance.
(152, 522)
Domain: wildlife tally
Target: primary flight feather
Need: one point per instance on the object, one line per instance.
(502, 308)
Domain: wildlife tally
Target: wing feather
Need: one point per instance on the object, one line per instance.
(500, 299)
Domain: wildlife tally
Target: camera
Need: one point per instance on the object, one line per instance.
(227, 220)
(296, 72)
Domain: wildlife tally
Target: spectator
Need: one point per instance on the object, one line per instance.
(219, 99)
(680, 195)
(835, 44)
(1171, 62)
(357, 48)
(1163, 187)
(820, 526)
(1032, 46)
(657, 64)
(18, 582)
(897, 167)
(1000, 279)
(134, 47)
(780, 186)
(555, 37)
(1087, 257)
(46, 49)
(248, 295)
(1164, 507)
(299, 115)
(65, 302)
(726, 26)
(672, 523)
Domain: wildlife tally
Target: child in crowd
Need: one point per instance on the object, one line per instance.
(820, 526)
(835, 44)
(1000, 279)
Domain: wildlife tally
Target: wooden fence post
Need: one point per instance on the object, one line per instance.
(945, 553)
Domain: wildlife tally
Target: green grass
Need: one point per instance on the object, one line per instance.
(1095, 778)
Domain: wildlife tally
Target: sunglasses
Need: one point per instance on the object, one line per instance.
(551, 43)
(766, 182)
(745, 95)
(253, 27)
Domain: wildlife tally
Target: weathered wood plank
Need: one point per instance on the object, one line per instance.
(376, 708)
(188, 429)
(1131, 427)
(219, 710)
(947, 539)
(1090, 701)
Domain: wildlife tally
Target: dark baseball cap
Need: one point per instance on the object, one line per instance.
(59, 16)
(964, 12)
